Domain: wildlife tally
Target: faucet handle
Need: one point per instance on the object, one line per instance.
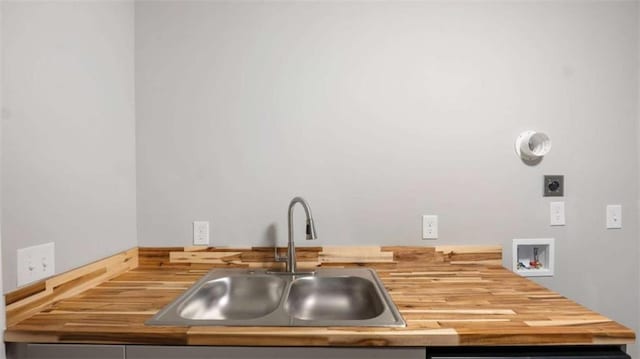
(277, 257)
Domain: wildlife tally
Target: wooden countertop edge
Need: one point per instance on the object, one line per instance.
(446, 337)
(320, 336)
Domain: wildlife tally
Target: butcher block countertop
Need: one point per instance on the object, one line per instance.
(449, 296)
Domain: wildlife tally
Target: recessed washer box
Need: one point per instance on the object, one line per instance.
(533, 257)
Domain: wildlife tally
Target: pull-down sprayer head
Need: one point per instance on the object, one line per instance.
(311, 230)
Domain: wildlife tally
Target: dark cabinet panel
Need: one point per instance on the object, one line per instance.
(531, 352)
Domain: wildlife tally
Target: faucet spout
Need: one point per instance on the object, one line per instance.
(310, 231)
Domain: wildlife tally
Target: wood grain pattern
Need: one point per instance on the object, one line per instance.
(339, 254)
(25, 292)
(328, 256)
(31, 299)
(449, 296)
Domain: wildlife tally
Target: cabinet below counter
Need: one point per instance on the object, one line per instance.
(75, 351)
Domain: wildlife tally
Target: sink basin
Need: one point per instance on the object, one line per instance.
(333, 298)
(242, 297)
(234, 297)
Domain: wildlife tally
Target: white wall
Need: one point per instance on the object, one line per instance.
(68, 137)
(637, 347)
(2, 303)
(379, 112)
(375, 112)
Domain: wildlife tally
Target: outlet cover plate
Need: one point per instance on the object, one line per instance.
(201, 233)
(614, 216)
(556, 211)
(429, 227)
(553, 186)
(35, 263)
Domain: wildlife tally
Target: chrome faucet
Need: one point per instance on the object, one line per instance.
(290, 259)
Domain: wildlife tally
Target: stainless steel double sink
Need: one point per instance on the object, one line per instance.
(241, 297)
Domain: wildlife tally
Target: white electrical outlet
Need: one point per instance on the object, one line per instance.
(36, 263)
(429, 227)
(556, 210)
(201, 233)
(614, 216)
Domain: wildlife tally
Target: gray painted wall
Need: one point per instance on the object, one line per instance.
(637, 347)
(380, 112)
(68, 137)
(377, 113)
(2, 302)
